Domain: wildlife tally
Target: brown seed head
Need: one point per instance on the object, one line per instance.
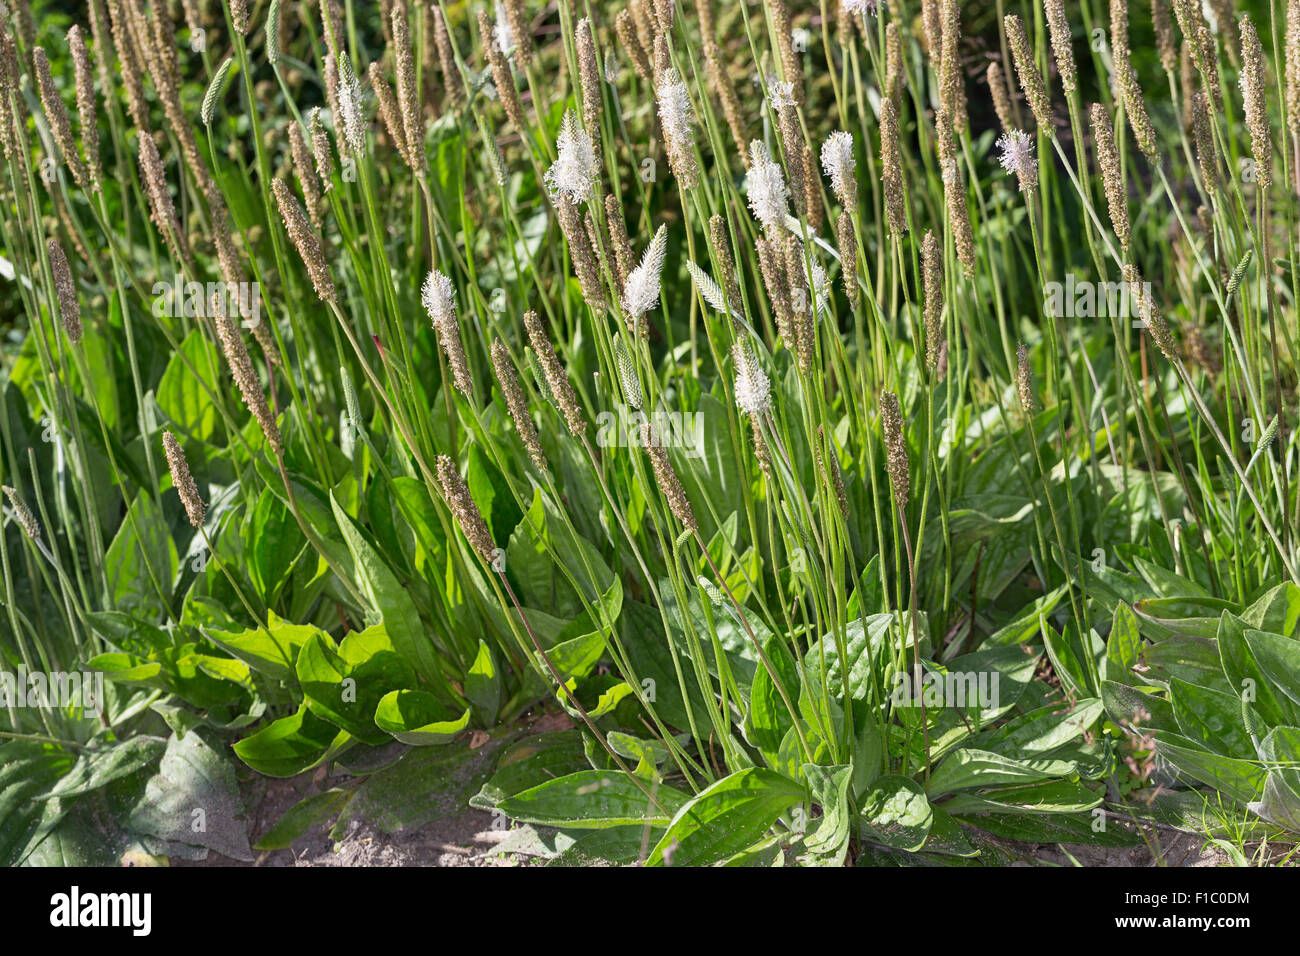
(241, 369)
(516, 403)
(556, 379)
(589, 76)
(66, 291)
(932, 279)
(1254, 88)
(465, 511)
(1031, 81)
(1108, 162)
(848, 243)
(26, 519)
(669, 484)
(182, 480)
(57, 114)
(891, 164)
(1024, 378)
(1062, 48)
(896, 463)
(87, 114)
(304, 240)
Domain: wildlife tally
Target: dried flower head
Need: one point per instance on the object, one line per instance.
(453, 86)
(503, 79)
(26, 519)
(1139, 295)
(304, 170)
(66, 291)
(669, 484)
(1001, 96)
(575, 173)
(408, 90)
(1111, 176)
(1130, 90)
(241, 369)
(588, 75)
(521, 35)
(954, 193)
(952, 82)
(891, 165)
(1024, 378)
(161, 209)
(896, 463)
(847, 240)
(1254, 88)
(556, 379)
(87, 114)
(726, 264)
(516, 403)
(1292, 62)
(57, 114)
(304, 240)
(1062, 49)
(1031, 81)
(932, 280)
(1164, 27)
(465, 511)
(182, 480)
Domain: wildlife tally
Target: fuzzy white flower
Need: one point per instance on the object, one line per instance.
(641, 292)
(838, 164)
(753, 390)
(352, 123)
(439, 298)
(768, 195)
(502, 35)
(859, 7)
(575, 172)
(1017, 157)
(780, 94)
(677, 116)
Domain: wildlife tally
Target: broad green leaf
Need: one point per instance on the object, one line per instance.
(290, 745)
(592, 799)
(418, 718)
(1210, 717)
(1238, 779)
(483, 685)
(194, 799)
(345, 686)
(769, 718)
(970, 768)
(272, 650)
(725, 818)
(141, 563)
(390, 603)
(896, 814)
(1279, 659)
(1123, 647)
(301, 817)
(182, 396)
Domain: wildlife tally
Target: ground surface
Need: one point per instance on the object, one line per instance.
(445, 832)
